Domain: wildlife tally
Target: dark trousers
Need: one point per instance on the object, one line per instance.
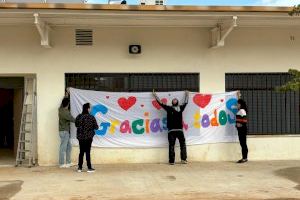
(243, 141)
(85, 147)
(172, 140)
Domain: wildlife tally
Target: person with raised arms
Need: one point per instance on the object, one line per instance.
(65, 118)
(175, 126)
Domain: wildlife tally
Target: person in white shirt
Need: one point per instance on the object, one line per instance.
(241, 125)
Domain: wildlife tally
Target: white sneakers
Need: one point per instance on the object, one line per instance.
(184, 162)
(91, 170)
(63, 166)
(70, 165)
(66, 165)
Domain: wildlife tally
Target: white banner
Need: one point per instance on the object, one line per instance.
(136, 120)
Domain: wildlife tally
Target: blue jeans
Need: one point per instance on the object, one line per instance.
(65, 147)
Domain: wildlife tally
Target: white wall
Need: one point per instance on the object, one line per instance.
(151, 2)
(163, 50)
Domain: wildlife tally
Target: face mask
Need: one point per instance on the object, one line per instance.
(176, 106)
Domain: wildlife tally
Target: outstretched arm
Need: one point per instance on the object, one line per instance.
(68, 117)
(238, 94)
(164, 106)
(186, 100)
(67, 93)
(156, 97)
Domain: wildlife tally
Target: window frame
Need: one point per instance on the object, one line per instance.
(275, 113)
(134, 82)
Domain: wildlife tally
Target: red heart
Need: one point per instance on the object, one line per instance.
(125, 104)
(202, 100)
(142, 105)
(222, 100)
(185, 126)
(107, 97)
(156, 105)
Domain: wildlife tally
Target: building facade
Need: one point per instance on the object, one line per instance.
(153, 2)
(211, 49)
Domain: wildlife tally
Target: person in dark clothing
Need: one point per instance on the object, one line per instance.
(175, 127)
(86, 125)
(241, 125)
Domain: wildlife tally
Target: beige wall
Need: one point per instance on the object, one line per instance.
(163, 50)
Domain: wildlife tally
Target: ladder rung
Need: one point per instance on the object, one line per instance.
(26, 131)
(26, 127)
(25, 141)
(24, 151)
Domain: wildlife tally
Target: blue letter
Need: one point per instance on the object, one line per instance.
(231, 105)
(104, 125)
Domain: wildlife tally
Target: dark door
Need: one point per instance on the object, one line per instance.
(6, 118)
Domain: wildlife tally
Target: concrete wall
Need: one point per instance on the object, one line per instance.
(164, 50)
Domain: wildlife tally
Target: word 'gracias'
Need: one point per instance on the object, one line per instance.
(157, 125)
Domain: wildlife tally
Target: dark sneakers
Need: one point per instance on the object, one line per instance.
(242, 161)
(91, 170)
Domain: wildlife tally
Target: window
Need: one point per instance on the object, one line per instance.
(133, 82)
(270, 112)
(159, 2)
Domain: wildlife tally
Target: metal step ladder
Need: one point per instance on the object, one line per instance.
(26, 151)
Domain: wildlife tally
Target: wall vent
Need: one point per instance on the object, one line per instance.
(84, 37)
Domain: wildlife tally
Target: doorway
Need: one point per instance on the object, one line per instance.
(11, 101)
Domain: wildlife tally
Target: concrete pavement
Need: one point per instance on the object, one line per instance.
(195, 181)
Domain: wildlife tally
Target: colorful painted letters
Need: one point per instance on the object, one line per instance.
(157, 125)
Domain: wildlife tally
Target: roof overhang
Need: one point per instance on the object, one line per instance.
(81, 6)
(220, 19)
(144, 16)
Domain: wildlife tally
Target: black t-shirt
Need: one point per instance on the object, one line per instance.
(174, 116)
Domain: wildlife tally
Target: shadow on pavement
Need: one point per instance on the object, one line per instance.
(9, 188)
